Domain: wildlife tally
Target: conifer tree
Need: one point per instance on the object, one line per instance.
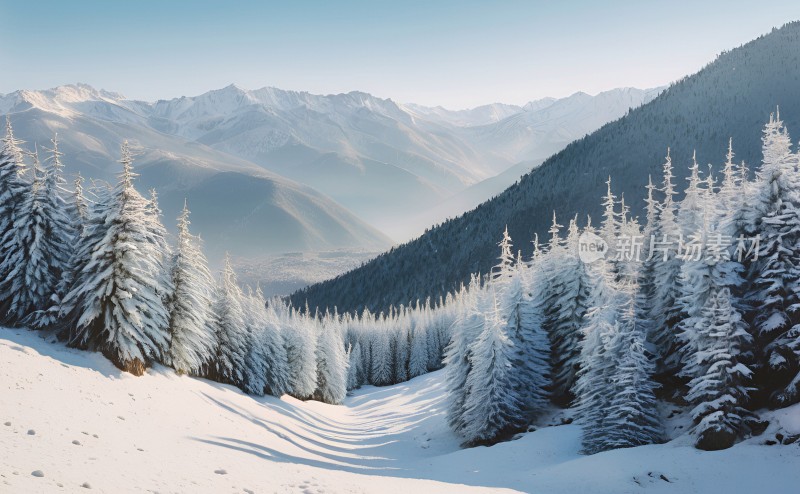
(332, 362)
(230, 327)
(15, 190)
(193, 342)
(355, 367)
(493, 408)
(118, 306)
(775, 277)
(458, 364)
(265, 365)
(301, 353)
(418, 355)
(564, 305)
(42, 236)
(719, 391)
(380, 350)
(664, 313)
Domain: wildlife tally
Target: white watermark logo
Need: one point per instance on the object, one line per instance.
(591, 247)
(695, 248)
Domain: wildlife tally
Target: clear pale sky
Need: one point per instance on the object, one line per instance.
(455, 53)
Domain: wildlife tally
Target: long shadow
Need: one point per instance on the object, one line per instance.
(327, 450)
(352, 455)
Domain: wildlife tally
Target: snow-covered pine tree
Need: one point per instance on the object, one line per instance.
(665, 291)
(523, 319)
(57, 225)
(193, 344)
(265, 365)
(354, 369)
(564, 300)
(272, 340)
(615, 402)
(467, 327)
(400, 346)
(609, 228)
(79, 203)
(381, 373)
(63, 316)
(255, 361)
(301, 352)
(332, 362)
(118, 305)
(692, 209)
(591, 390)
(493, 409)
(695, 281)
(15, 190)
(774, 298)
(418, 354)
(632, 417)
(530, 335)
(157, 236)
(230, 328)
(42, 236)
(719, 389)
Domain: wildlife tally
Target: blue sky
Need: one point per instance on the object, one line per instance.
(452, 53)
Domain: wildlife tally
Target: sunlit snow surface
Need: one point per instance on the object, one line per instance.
(74, 419)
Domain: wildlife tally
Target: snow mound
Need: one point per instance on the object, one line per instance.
(99, 428)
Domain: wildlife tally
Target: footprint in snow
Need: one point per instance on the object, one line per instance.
(7, 423)
(76, 442)
(86, 485)
(31, 432)
(221, 471)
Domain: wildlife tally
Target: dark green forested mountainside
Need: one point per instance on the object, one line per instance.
(731, 97)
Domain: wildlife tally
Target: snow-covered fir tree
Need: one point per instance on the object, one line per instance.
(15, 191)
(43, 236)
(117, 300)
(616, 403)
(230, 328)
(332, 362)
(662, 305)
(523, 317)
(354, 368)
(300, 340)
(418, 353)
(493, 408)
(381, 355)
(775, 277)
(564, 293)
(458, 365)
(193, 341)
(719, 391)
(266, 366)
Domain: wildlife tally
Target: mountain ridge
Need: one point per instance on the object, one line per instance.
(730, 97)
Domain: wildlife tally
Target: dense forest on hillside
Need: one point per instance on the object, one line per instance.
(730, 98)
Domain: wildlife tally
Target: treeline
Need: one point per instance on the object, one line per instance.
(95, 265)
(698, 305)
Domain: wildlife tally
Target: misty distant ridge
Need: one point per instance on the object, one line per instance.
(271, 170)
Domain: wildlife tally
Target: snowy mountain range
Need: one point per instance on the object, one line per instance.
(269, 170)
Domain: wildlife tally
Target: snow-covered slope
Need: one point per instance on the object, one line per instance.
(69, 418)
